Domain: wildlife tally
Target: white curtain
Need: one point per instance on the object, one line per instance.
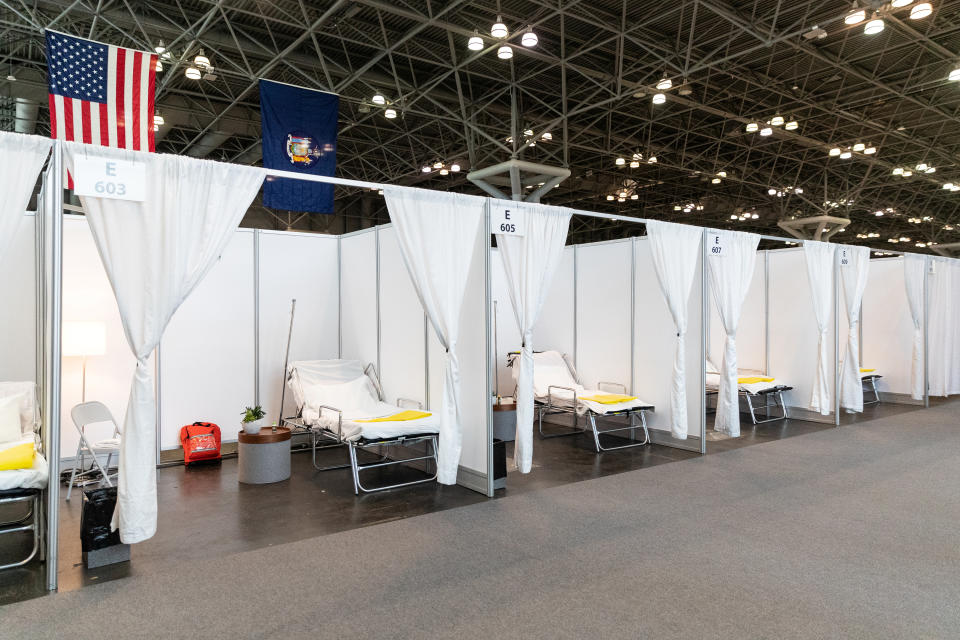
(914, 267)
(675, 248)
(731, 257)
(530, 262)
(437, 233)
(819, 257)
(21, 159)
(155, 252)
(944, 339)
(854, 271)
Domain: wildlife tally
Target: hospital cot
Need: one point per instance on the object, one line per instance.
(340, 403)
(558, 390)
(25, 486)
(869, 377)
(761, 394)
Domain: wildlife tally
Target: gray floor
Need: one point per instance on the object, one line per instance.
(847, 532)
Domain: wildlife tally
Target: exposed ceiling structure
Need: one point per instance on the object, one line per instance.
(589, 82)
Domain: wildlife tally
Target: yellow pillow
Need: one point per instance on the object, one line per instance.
(403, 416)
(17, 456)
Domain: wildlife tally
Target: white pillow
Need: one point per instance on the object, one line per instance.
(358, 394)
(10, 419)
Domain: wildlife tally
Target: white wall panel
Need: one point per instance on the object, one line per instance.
(88, 297)
(554, 330)
(18, 290)
(207, 352)
(301, 266)
(656, 344)
(793, 328)
(887, 326)
(402, 336)
(358, 296)
(603, 313)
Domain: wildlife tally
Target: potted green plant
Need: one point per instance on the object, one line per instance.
(253, 419)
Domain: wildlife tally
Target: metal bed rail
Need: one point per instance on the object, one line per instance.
(774, 393)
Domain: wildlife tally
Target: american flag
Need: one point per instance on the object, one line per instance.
(100, 94)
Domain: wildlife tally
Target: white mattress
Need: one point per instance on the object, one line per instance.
(33, 478)
(713, 382)
(550, 369)
(353, 430)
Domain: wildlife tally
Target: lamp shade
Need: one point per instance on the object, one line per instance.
(84, 338)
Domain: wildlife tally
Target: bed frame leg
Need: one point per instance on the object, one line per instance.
(632, 429)
(353, 468)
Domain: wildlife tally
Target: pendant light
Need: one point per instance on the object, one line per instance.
(499, 30)
(390, 114)
(776, 120)
(665, 83)
(620, 161)
(846, 155)
(766, 131)
(791, 125)
(921, 10)
(505, 52)
(873, 27)
(870, 151)
(201, 60)
(475, 43)
(834, 152)
(855, 16)
(425, 168)
(652, 160)
(859, 146)
(160, 48)
(547, 136)
(753, 127)
(159, 66)
(897, 4)
(193, 73)
(634, 164)
(529, 38)
(157, 119)
(378, 99)
(954, 75)
(659, 98)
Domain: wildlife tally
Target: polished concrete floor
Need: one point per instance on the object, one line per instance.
(204, 512)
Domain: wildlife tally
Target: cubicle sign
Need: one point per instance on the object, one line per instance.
(103, 178)
(844, 257)
(716, 245)
(508, 220)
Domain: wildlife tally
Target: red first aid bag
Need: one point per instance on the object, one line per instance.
(200, 442)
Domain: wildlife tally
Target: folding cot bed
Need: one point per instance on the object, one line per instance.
(23, 486)
(760, 393)
(557, 390)
(340, 404)
(869, 377)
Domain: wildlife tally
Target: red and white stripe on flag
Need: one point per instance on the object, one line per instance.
(100, 94)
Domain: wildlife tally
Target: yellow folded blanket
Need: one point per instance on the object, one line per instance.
(609, 398)
(18, 456)
(753, 380)
(400, 417)
(867, 370)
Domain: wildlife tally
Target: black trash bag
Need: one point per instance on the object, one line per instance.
(98, 505)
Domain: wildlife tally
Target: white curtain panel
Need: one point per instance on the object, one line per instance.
(21, 159)
(437, 233)
(854, 264)
(530, 262)
(819, 257)
(731, 257)
(944, 339)
(155, 252)
(675, 248)
(914, 267)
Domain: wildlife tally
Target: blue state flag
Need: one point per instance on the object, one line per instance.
(299, 131)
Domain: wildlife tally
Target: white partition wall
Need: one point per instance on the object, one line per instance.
(305, 267)
(655, 341)
(887, 329)
(18, 290)
(358, 296)
(88, 297)
(207, 370)
(603, 340)
(794, 335)
(506, 333)
(403, 327)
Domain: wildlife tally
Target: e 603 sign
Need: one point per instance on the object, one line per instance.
(103, 178)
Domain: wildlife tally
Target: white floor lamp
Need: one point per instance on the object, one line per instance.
(82, 340)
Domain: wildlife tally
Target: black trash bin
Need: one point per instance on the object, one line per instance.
(499, 464)
(99, 544)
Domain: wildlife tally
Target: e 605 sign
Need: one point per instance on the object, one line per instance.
(103, 178)
(507, 220)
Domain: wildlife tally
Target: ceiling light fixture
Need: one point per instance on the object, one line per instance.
(835, 151)
(201, 60)
(193, 73)
(444, 172)
(897, 4)
(529, 38)
(907, 173)
(475, 43)
(766, 131)
(499, 30)
(859, 146)
(455, 167)
(652, 160)
(609, 197)
(870, 151)
(845, 155)
(547, 136)
(721, 174)
(160, 48)
(898, 171)
(425, 168)
(954, 75)
(776, 120)
(873, 27)
(634, 164)
(505, 52)
(715, 181)
(855, 16)
(620, 161)
(159, 66)
(390, 114)
(921, 10)
(157, 119)
(378, 99)
(790, 126)
(753, 126)
(665, 83)
(659, 98)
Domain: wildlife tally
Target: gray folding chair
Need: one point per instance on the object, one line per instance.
(83, 415)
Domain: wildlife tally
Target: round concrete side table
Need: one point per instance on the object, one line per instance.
(264, 457)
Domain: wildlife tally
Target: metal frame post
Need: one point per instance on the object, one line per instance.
(836, 338)
(703, 342)
(927, 263)
(488, 295)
